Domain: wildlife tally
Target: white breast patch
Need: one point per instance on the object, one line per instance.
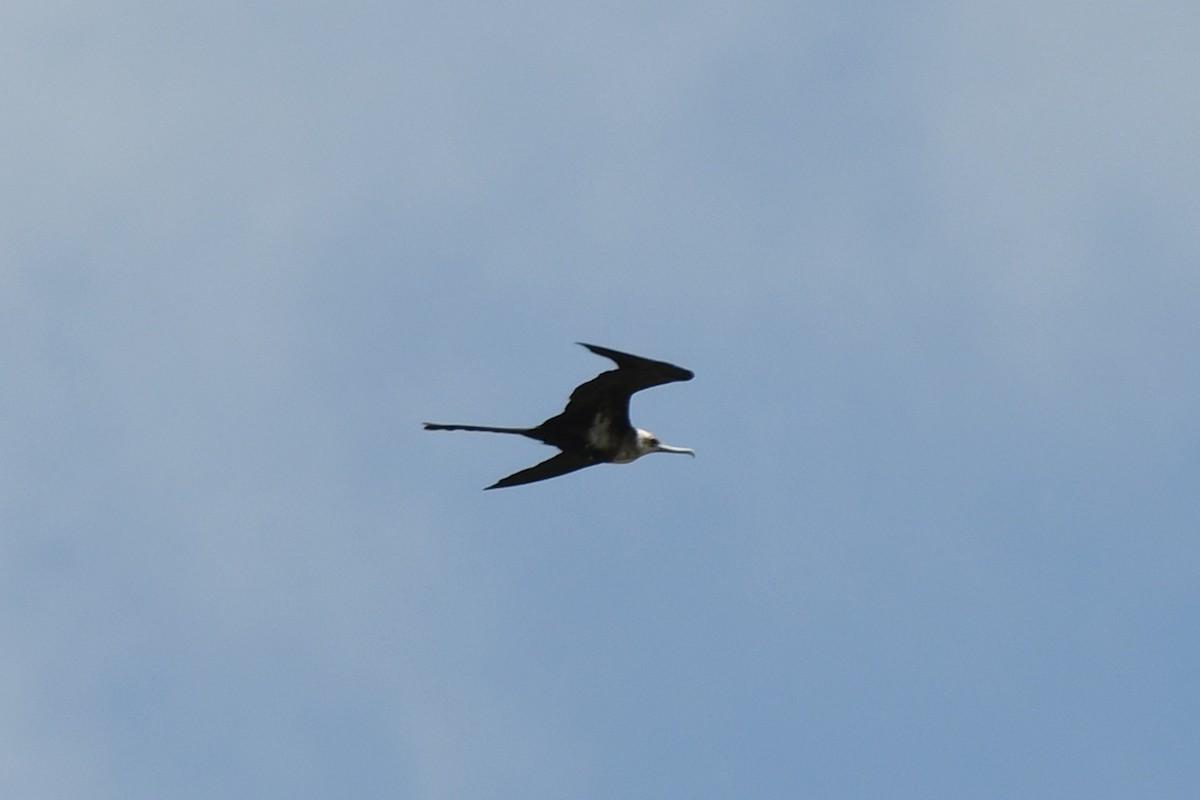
(600, 434)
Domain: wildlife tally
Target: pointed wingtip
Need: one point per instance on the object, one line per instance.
(630, 361)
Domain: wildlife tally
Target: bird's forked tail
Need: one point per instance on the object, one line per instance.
(433, 426)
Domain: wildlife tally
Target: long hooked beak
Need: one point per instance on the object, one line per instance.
(666, 448)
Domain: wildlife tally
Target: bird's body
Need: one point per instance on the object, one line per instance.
(594, 428)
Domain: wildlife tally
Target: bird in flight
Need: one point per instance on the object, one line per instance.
(594, 428)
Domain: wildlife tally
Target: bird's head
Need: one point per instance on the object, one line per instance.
(647, 442)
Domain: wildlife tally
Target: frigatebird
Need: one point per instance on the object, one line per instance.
(594, 428)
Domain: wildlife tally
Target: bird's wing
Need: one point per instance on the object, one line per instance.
(610, 391)
(560, 464)
(642, 372)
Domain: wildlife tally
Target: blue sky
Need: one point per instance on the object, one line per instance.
(935, 268)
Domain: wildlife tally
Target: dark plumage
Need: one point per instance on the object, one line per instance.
(594, 428)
